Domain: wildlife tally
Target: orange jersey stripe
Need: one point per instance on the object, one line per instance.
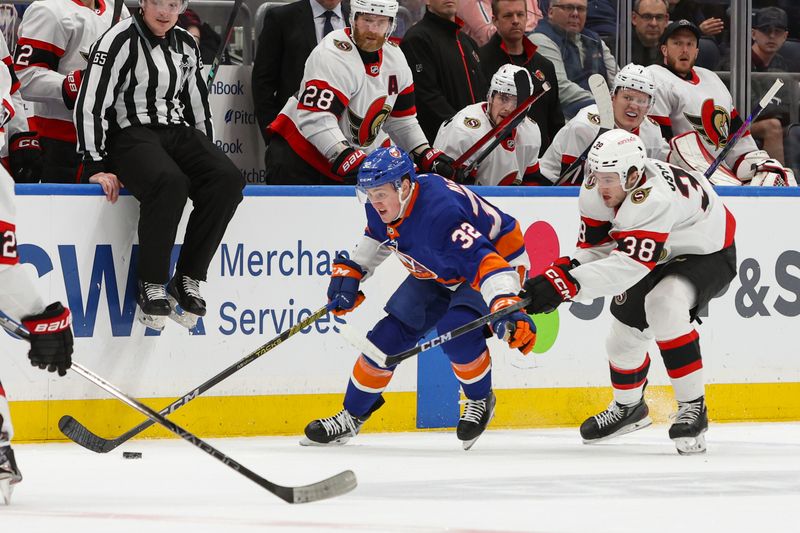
(490, 263)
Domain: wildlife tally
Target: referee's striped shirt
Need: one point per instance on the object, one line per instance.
(135, 78)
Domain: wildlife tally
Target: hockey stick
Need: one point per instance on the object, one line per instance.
(605, 109)
(505, 132)
(522, 108)
(764, 102)
(369, 349)
(78, 433)
(337, 485)
(212, 72)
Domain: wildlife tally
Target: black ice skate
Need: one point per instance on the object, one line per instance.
(186, 304)
(617, 420)
(691, 423)
(9, 473)
(153, 305)
(476, 416)
(337, 429)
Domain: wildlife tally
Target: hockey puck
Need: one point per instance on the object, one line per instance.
(131, 455)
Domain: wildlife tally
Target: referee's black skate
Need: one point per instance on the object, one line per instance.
(616, 420)
(337, 429)
(476, 416)
(153, 305)
(9, 473)
(691, 423)
(186, 304)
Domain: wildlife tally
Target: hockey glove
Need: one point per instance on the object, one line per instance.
(25, 157)
(517, 328)
(343, 287)
(70, 87)
(438, 162)
(566, 263)
(51, 338)
(548, 290)
(346, 164)
(771, 173)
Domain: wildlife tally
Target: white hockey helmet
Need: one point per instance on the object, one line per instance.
(386, 8)
(503, 80)
(618, 151)
(636, 77)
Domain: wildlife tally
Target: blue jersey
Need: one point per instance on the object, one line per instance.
(452, 235)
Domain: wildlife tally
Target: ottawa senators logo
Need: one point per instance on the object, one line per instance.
(365, 130)
(712, 125)
(640, 195)
(472, 123)
(344, 46)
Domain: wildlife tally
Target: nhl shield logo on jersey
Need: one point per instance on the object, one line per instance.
(344, 46)
(394, 152)
(472, 123)
(640, 195)
(594, 118)
(590, 181)
(620, 299)
(713, 123)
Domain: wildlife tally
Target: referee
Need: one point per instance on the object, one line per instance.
(143, 119)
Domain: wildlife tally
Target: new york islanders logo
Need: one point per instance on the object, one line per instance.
(713, 123)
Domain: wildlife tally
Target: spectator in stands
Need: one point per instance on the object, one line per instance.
(54, 41)
(792, 9)
(445, 64)
(478, 17)
(770, 30)
(649, 19)
(289, 34)
(509, 45)
(207, 39)
(601, 18)
(576, 53)
(707, 15)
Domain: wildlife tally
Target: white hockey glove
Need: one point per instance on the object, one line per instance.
(747, 165)
(772, 174)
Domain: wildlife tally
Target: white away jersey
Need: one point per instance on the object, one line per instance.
(701, 103)
(672, 213)
(18, 297)
(576, 136)
(508, 163)
(18, 121)
(54, 39)
(342, 99)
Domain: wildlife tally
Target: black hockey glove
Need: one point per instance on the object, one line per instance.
(25, 157)
(50, 338)
(346, 164)
(548, 290)
(438, 162)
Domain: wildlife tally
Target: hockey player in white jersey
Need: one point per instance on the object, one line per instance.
(53, 46)
(22, 154)
(49, 326)
(516, 160)
(356, 88)
(660, 239)
(631, 100)
(696, 113)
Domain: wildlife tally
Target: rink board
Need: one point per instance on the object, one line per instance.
(272, 270)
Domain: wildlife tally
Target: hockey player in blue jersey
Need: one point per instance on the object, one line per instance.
(465, 258)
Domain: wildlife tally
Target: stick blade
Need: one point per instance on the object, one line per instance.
(79, 434)
(334, 486)
(602, 96)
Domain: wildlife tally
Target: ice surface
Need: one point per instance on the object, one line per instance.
(512, 480)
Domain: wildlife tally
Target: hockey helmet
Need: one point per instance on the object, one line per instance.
(386, 8)
(384, 165)
(174, 7)
(503, 80)
(636, 77)
(617, 151)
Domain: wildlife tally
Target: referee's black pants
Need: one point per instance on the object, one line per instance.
(162, 167)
